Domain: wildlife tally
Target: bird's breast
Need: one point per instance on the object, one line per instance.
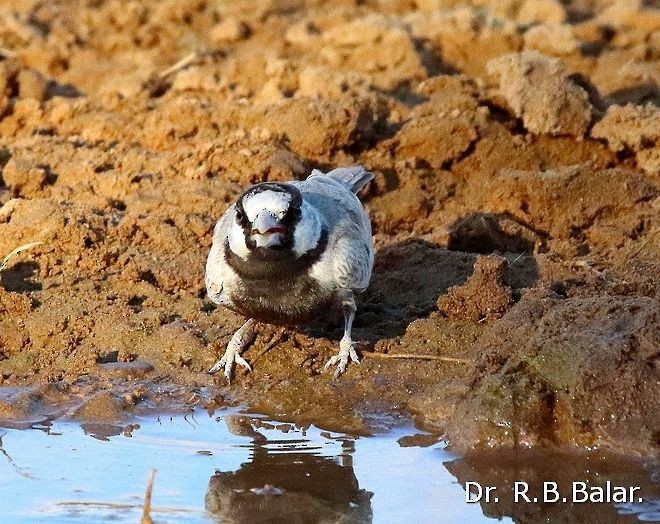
(276, 286)
(289, 301)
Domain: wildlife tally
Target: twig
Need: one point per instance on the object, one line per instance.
(7, 53)
(517, 258)
(115, 505)
(181, 64)
(16, 251)
(146, 513)
(454, 360)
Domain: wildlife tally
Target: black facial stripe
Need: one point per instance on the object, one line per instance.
(264, 263)
(277, 187)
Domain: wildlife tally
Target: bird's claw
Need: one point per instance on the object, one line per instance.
(228, 360)
(346, 351)
(239, 342)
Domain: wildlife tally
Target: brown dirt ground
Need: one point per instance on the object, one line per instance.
(515, 209)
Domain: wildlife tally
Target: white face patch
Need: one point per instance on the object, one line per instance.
(308, 230)
(274, 201)
(236, 239)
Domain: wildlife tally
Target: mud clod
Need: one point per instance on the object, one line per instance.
(635, 129)
(538, 90)
(484, 297)
(556, 384)
(101, 407)
(24, 178)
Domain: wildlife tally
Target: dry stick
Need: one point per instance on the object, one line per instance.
(146, 513)
(454, 360)
(19, 249)
(370, 354)
(7, 53)
(181, 64)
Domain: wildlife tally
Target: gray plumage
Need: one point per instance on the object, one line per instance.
(354, 177)
(316, 251)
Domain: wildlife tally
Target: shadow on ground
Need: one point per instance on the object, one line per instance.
(410, 276)
(19, 278)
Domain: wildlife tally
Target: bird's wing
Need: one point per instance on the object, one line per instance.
(217, 269)
(348, 259)
(353, 178)
(353, 260)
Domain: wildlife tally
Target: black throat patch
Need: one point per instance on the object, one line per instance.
(275, 264)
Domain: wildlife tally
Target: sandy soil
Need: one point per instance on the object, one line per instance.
(515, 209)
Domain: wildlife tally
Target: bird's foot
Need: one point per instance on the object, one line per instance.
(231, 357)
(346, 351)
(238, 343)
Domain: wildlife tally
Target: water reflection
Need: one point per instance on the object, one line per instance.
(293, 487)
(268, 471)
(282, 484)
(534, 468)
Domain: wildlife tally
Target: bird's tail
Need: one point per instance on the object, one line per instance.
(354, 177)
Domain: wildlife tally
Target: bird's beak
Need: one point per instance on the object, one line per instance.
(267, 230)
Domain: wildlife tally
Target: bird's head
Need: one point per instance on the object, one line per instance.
(267, 219)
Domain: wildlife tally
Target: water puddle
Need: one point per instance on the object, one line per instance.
(244, 468)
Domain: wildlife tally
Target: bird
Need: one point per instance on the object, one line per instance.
(285, 252)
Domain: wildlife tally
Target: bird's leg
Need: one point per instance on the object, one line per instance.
(238, 343)
(346, 348)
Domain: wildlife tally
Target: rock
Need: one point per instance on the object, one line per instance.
(625, 76)
(103, 406)
(420, 440)
(374, 45)
(313, 82)
(270, 93)
(466, 37)
(129, 370)
(32, 84)
(633, 128)
(325, 82)
(566, 372)
(8, 208)
(195, 78)
(546, 11)
(315, 127)
(483, 297)
(649, 160)
(554, 39)
(24, 178)
(400, 210)
(621, 13)
(362, 31)
(523, 197)
(436, 139)
(20, 403)
(538, 90)
(229, 30)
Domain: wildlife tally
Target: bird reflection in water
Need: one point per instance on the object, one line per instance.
(288, 486)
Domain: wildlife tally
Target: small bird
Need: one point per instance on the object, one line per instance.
(285, 252)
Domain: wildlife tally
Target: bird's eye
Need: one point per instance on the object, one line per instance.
(239, 215)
